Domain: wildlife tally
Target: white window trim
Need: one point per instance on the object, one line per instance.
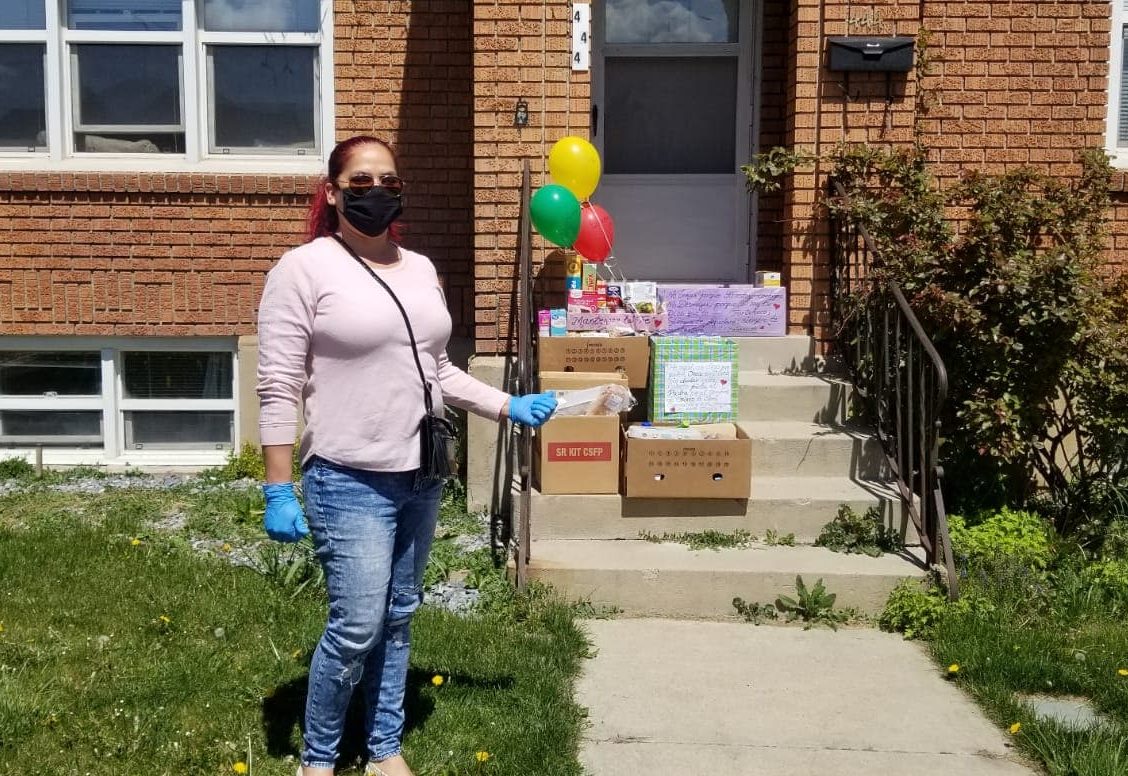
(194, 100)
(1118, 155)
(113, 404)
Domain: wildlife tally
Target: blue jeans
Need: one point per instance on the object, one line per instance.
(373, 532)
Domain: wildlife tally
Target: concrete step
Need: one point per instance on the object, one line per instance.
(669, 580)
(791, 448)
(777, 354)
(806, 398)
(797, 505)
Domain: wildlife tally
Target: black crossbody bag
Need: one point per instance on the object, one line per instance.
(437, 435)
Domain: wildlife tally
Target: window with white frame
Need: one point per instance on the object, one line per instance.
(1118, 84)
(198, 79)
(125, 398)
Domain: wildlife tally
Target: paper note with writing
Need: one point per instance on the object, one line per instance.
(697, 386)
(724, 310)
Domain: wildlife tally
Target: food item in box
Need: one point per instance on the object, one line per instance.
(609, 399)
(559, 322)
(590, 277)
(544, 323)
(647, 431)
(614, 297)
(642, 296)
(573, 273)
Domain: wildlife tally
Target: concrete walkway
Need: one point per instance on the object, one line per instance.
(724, 699)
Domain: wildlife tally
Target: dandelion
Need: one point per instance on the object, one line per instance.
(165, 619)
(437, 680)
(953, 669)
(1120, 671)
(135, 542)
(239, 767)
(1017, 726)
(226, 547)
(482, 757)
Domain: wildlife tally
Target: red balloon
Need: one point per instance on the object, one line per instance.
(597, 233)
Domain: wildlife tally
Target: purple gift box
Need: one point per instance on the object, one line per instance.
(643, 323)
(724, 310)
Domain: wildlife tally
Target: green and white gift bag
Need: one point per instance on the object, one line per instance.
(693, 380)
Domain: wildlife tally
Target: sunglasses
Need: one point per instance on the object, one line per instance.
(362, 183)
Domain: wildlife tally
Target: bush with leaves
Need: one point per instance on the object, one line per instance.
(1022, 538)
(1005, 273)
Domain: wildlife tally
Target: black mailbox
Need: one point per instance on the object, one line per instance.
(872, 54)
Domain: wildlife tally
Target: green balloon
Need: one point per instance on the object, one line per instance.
(555, 212)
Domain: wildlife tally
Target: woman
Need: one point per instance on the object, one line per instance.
(331, 335)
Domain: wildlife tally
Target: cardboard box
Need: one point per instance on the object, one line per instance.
(627, 355)
(572, 381)
(579, 454)
(767, 279)
(697, 468)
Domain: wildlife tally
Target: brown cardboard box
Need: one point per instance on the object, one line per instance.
(573, 381)
(694, 468)
(628, 355)
(579, 454)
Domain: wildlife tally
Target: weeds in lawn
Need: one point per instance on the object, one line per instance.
(812, 605)
(775, 539)
(703, 540)
(754, 613)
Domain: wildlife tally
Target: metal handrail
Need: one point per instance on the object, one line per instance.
(898, 375)
(526, 374)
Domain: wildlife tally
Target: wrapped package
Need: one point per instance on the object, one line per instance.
(609, 399)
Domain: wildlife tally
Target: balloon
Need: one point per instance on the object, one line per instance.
(556, 215)
(597, 233)
(574, 164)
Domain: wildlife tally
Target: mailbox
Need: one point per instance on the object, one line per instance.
(883, 54)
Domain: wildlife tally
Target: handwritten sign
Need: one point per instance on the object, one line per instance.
(724, 310)
(697, 387)
(641, 322)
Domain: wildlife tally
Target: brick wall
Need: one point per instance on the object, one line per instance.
(1013, 83)
(521, 50)
(172, 255)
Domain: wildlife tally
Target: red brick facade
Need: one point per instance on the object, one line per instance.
(119, 253)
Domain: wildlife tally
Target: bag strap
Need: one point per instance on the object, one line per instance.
(427, 401)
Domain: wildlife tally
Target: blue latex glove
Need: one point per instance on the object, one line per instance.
(283, 521)
(532, 410)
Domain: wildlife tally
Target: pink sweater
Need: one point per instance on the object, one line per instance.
(330, 335)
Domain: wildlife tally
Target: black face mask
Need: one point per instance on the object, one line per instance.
(373, 212)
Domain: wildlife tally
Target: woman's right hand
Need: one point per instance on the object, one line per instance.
(532, 409)
(283, 520)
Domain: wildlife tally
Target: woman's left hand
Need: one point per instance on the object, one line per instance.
(532, 410)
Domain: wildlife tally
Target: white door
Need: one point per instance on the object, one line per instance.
(673, 117)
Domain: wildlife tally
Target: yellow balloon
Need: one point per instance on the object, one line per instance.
(574, 164)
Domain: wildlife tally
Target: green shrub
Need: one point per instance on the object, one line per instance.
(1005, 273)
(913, 609)
(1013, 536)
(247, 464)
(1110, 578)
(16, 468)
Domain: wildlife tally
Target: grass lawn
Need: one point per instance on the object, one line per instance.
(1002, 654)
(132, 649)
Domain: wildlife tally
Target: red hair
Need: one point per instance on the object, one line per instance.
(322, 220)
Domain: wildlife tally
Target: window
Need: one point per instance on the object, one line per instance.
(186, 81)
(1118, 85)
(122, 399)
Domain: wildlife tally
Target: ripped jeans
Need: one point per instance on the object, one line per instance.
(373, 532)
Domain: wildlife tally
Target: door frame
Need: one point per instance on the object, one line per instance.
(749, 76)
